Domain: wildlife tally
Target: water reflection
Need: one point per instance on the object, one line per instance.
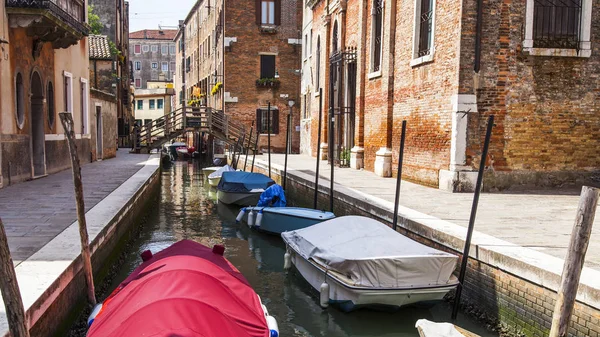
(188, 209)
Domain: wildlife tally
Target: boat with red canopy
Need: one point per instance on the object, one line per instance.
(186, 290)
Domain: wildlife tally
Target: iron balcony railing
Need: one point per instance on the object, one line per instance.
(70, 11)
(557, 24)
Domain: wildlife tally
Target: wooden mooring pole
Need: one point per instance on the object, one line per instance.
(269, 135)
(465, 257)
(287, 148)
(15, 312)
(331, 158)
(255, 149)
(67, 121)
(249, 144)
(399, 178)
(580, 238)
(318, 148)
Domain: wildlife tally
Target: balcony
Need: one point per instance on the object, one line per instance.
(61, 22)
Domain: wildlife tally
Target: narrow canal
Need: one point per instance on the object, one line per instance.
(188, 209)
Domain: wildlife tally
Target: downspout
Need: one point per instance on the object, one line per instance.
(95, 75)
(478, 29)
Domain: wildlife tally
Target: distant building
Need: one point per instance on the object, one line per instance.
(114, 15)
(153, 103)
(40, 76)
(103, 97)
(243, 61)
(152, 54)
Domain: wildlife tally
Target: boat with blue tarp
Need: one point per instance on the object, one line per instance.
(242, 188)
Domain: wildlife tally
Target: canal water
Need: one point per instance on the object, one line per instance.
(188, 209)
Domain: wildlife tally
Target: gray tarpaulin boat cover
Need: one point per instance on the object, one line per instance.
(371, 254)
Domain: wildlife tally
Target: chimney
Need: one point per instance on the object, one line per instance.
(145, 34)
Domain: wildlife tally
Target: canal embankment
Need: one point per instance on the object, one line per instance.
(508, 282)
(50, 276)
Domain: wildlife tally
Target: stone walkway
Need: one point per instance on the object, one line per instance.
(540, 220)
(36, 211)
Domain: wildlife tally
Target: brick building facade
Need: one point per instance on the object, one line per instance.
(444, 69)
(260, 63)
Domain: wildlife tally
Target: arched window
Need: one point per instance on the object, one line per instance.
(334, 38)
(20, 100)
(318, 64)
(376, 34)
(50, 96)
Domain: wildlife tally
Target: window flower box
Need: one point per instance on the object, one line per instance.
(267, 83)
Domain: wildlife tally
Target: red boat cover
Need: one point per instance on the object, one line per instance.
(185, 290)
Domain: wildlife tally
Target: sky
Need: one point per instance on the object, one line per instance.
(148, 14)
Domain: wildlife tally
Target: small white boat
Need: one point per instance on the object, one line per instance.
(355, 261)
(215, 177)
(432, 329)
(242, 188)
(209, 170)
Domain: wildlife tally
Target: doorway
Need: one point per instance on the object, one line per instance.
(38, 146)
(99, 134)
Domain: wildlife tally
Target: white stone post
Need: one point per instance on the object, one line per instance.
(383, 162)
(357, 158)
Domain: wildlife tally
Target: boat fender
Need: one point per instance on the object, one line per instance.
(241, 214)
(251, 218)
(273, 327)
(324, 295)
(259, 218)
(287, 260)
(94, 313)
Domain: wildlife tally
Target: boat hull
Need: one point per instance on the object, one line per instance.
(214, 181)
(239, 198)
(208, 170)
(277, 223)
(351, 298)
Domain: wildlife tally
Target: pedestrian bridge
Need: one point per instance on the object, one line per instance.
(203, 119)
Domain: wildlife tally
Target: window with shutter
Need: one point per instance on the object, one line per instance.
(267, 66)
(262, 121)
(268, 12)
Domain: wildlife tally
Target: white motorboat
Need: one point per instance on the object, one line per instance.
(433, 329)
(355, 261)
(215, 177)
(242, 188)
(209, 170)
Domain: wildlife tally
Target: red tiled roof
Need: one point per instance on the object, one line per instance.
(154, 34)
(99, 48)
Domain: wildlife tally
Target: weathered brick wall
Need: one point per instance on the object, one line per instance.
(242, 67)
(547, 124)
(422, 94)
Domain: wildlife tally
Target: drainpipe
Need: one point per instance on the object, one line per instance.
(478, 28)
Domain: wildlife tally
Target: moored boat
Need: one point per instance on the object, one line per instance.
(209, 170)
(215, 177)
(355, 261)
(242, 188)
(433, 329)
(272, 216)
(276, 220)
(186, 290)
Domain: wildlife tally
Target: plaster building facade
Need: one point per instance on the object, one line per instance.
(243, 64)
(153, 103)
(152, 54)
(445, 69)
(114, 16)
(103, 99)
(42, 75)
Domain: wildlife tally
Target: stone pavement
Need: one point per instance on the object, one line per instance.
(34, 212)
(539, 220)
